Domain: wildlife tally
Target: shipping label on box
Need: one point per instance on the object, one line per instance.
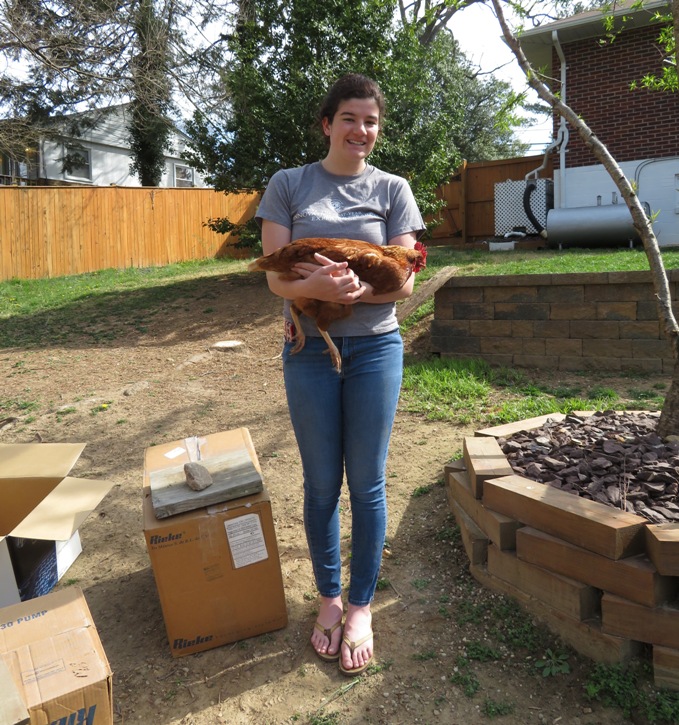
(54, 656)
(41, 509)
(217, 568)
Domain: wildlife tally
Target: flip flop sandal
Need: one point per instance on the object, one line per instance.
(353, 672)
(328, 634)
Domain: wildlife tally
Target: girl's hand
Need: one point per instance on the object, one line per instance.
(330, 281)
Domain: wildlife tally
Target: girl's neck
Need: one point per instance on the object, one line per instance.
(342, 167)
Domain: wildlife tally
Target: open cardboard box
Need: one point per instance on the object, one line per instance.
(41, 508)
(53, 668)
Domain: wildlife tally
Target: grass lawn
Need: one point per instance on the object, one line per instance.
(32, 311)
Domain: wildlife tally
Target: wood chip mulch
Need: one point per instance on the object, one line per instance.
(612, 457)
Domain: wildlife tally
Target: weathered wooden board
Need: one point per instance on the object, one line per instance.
(589, 524)
(500, 529)
(475, 542)
(655, 625)
(574, 598)
(233, 474)
(423, 293)
(508, 429)
(634, 578)
(585, 637)
(484, 459)
(666, 667)
(12, 708)
(662, 545)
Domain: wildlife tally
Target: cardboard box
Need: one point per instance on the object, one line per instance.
(55, 659)
(41, 508)
(216, 568)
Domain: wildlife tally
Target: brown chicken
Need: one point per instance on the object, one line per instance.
(385, 268)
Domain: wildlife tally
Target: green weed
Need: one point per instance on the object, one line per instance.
(377, 667)
(465, 677)
(614, 686)
(630, 688)
(553, 663)
(482, 652)
(62, 412)
(329, 718)
(17, 405)
(492, 708)
(448, 533)
(425, 656)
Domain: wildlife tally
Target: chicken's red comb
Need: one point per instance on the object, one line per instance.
(423, 251)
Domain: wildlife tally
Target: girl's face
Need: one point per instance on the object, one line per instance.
(353, 131)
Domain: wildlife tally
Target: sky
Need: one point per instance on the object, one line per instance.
(478, 32)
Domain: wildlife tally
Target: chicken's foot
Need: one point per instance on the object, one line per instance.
(332, 349)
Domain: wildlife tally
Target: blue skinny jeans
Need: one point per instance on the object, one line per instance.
(343, 424)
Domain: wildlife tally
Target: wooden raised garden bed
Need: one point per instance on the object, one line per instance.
(606, 581)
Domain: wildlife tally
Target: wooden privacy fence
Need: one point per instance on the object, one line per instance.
(469, 214)
(59, 230)
(51, 231)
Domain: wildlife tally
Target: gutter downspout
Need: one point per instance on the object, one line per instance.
(563, 130)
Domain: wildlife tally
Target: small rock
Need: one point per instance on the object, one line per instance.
(197, 476)
(228, 345)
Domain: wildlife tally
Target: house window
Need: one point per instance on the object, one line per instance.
(77, 163)
(13, 171)
(183, 175)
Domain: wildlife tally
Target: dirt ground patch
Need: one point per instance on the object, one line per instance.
(160, 381)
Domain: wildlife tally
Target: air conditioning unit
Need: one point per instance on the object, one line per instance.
(510, 214)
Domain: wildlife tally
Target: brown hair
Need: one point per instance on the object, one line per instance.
(351, 85)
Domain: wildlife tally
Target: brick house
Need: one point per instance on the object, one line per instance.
(640, 127)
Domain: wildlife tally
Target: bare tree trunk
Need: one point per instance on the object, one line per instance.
(669, 417)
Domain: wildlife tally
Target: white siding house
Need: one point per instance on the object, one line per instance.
(102, 158)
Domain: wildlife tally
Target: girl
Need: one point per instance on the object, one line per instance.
(343, 422)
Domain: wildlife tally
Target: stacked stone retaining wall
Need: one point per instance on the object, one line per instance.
(586, 321)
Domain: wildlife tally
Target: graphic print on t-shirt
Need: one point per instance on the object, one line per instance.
(332, 210)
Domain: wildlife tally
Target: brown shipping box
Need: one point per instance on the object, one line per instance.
(216, 568)
(52, 651)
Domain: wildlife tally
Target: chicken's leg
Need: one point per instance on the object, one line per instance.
(300, 337)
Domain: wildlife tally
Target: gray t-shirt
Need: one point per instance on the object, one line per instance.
(372, 206)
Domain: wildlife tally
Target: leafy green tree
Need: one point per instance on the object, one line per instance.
(668, 36)
(284, 59)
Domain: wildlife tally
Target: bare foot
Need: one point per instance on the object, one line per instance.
(329, 615)
(357, 629)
